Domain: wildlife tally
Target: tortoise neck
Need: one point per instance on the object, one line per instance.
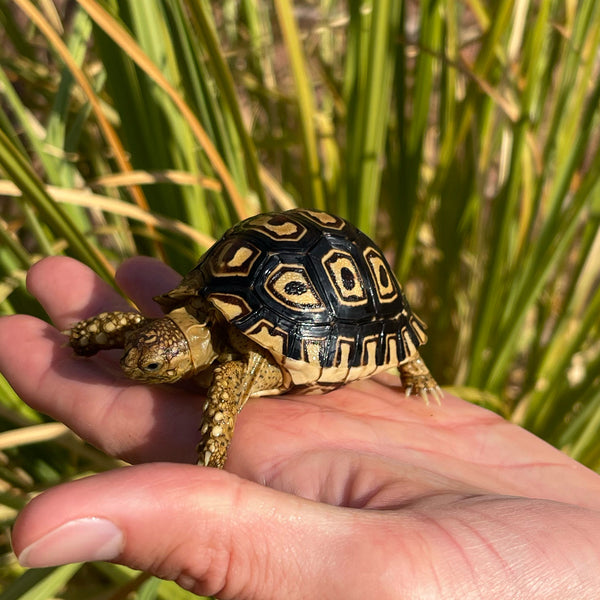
(198, 336)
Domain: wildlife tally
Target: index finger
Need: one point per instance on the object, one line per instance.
(70, 291)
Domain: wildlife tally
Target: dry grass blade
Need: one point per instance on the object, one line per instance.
(33, 434)
(133, 50)
(111, 137)
(150, 177)
(117, 207)
(283, 198)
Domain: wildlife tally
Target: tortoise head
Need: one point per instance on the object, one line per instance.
(167, 349)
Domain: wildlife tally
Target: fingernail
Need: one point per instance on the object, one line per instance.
(82, 540)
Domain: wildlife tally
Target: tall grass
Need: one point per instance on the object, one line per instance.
(462, 136)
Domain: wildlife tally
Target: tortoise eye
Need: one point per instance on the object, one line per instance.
(152, 367)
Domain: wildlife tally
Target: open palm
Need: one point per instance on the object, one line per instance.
(361, 493)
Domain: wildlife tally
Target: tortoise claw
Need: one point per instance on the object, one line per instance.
(417, 380)
(435, 391)
(437, 394)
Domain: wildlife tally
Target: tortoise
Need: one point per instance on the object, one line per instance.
(298, 300)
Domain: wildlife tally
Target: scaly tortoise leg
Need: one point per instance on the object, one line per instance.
(417, 379)
(232, 384)
(102, 332)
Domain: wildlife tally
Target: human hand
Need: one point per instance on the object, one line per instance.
(361, 493)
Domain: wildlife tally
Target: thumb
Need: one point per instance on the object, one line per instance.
(208, 530)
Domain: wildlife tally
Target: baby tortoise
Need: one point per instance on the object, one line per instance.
(299, 299)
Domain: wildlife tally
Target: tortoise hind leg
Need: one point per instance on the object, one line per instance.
(102, 332)
(417, 379)
(232, 384)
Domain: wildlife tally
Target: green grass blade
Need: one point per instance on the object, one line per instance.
(375, 116)
(220, 70)
(16, 166)
(40, 584)
(306, 102)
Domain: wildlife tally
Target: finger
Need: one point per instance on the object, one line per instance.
(141, 278)
(224, 536)
(235, 539)
(70, 291)
(126, 419)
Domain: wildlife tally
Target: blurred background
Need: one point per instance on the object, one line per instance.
(462, 136)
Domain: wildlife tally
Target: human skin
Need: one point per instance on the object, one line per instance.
(360, 493)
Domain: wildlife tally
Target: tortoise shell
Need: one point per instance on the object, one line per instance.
(313, 290)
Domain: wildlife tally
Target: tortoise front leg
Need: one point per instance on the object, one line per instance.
(102, 332)
(232, 384)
